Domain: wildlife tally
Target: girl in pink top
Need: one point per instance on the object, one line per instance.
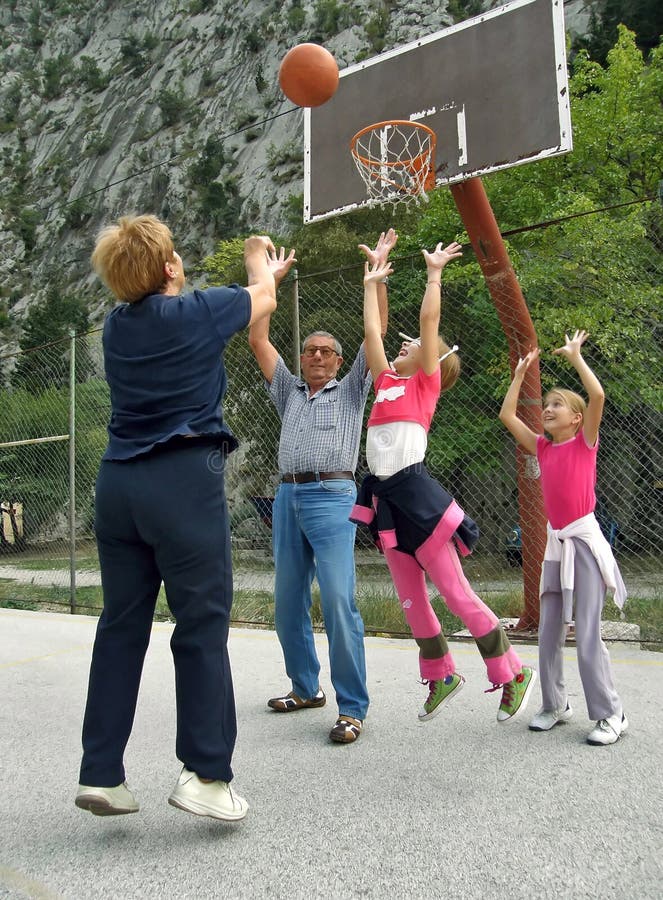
(578, 559)
(427, 522)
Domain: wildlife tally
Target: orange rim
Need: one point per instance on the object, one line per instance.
(415, 164)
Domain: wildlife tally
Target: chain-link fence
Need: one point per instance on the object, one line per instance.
(55, 409)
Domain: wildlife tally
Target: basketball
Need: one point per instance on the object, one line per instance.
(308, 75)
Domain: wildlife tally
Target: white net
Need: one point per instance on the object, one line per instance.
(394, 160)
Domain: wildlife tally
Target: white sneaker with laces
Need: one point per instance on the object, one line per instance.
(106, 801)
(608, 731)
(214, 798)
(546, 719)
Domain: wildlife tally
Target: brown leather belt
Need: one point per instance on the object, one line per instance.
(307, 477)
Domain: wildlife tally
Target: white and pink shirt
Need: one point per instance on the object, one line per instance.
(400, 420)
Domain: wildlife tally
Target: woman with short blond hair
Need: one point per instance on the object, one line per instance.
(160, 509)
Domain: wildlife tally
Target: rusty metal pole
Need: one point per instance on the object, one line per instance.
(479, 220)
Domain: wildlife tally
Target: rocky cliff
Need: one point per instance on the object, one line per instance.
(167, 106)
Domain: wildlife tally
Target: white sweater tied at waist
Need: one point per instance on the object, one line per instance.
(562, 550)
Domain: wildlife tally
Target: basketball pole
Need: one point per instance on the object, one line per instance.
(476, 212)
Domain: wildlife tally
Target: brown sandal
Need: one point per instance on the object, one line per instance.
(346, 730)
(291, 702)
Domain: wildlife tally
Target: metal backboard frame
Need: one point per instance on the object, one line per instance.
(494, 89)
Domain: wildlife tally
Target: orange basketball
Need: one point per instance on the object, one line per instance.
(308, 75)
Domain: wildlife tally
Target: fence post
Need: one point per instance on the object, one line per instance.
(296, 362)
(72, 472)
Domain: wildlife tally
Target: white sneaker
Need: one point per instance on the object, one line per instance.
(546, 719)
(214, 798)
(106, 801)
(608, 731)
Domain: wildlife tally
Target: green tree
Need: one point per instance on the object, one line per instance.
(12, 104)
(55, 70)
(91, 75)
(296, 16)
(34, 475)
(45, 343)
(226, 265)
(587, 272)
(26, 226)
(601, 272)
(643, 17)
(209, 164)
(172, 105)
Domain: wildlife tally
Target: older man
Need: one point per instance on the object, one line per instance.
(321, 416)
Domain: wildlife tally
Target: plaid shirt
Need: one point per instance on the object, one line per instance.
(320, 433)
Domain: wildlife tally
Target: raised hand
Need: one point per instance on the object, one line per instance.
(376, 272)
(386, 243)
(279, 264)
(571, 349)
(525, 362)
(438, 259)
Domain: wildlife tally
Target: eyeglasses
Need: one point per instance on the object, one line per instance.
(325, 352)
(417, 341)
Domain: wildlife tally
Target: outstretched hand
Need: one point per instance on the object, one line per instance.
(279, 264)
(571, 349)
(526, 362)
(438, 259)
(386, 243)
(376, 272)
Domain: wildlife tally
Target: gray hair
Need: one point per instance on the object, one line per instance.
(326, 334)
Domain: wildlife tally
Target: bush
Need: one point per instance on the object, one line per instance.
(54, 71)
(91, 76)
(296, 16)
(172, 104)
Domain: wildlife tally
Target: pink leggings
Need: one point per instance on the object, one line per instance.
(440, 560)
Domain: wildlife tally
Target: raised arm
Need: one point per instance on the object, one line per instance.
(376, 358)
(386, 243)
(595, 393)
(429, 315)
(264, 351)
(508, 414)
(260, 279)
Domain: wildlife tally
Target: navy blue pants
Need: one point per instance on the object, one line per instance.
(162, 517)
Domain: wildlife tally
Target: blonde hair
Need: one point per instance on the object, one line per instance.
(574, 401)
(130, 256)
(449, 367)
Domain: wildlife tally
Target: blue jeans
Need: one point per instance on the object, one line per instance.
(314, 537)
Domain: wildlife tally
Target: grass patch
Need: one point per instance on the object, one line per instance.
(87, 563)
(645, 612)
(379, 607)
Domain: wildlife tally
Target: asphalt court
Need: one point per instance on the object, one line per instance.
(458, 807)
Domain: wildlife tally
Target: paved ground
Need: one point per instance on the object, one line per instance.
(455, 808)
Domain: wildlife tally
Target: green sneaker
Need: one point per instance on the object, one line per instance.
(439, 693)
(515, 695)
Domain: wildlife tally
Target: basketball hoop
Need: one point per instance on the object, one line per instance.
(395, 160)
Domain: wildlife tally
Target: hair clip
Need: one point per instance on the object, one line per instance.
(417, 341)
(454, 349)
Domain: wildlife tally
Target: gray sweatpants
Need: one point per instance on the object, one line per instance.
(593, 657)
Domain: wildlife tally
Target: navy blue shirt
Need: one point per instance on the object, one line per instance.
(164, 365)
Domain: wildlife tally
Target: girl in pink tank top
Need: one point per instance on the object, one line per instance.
(578, 559)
